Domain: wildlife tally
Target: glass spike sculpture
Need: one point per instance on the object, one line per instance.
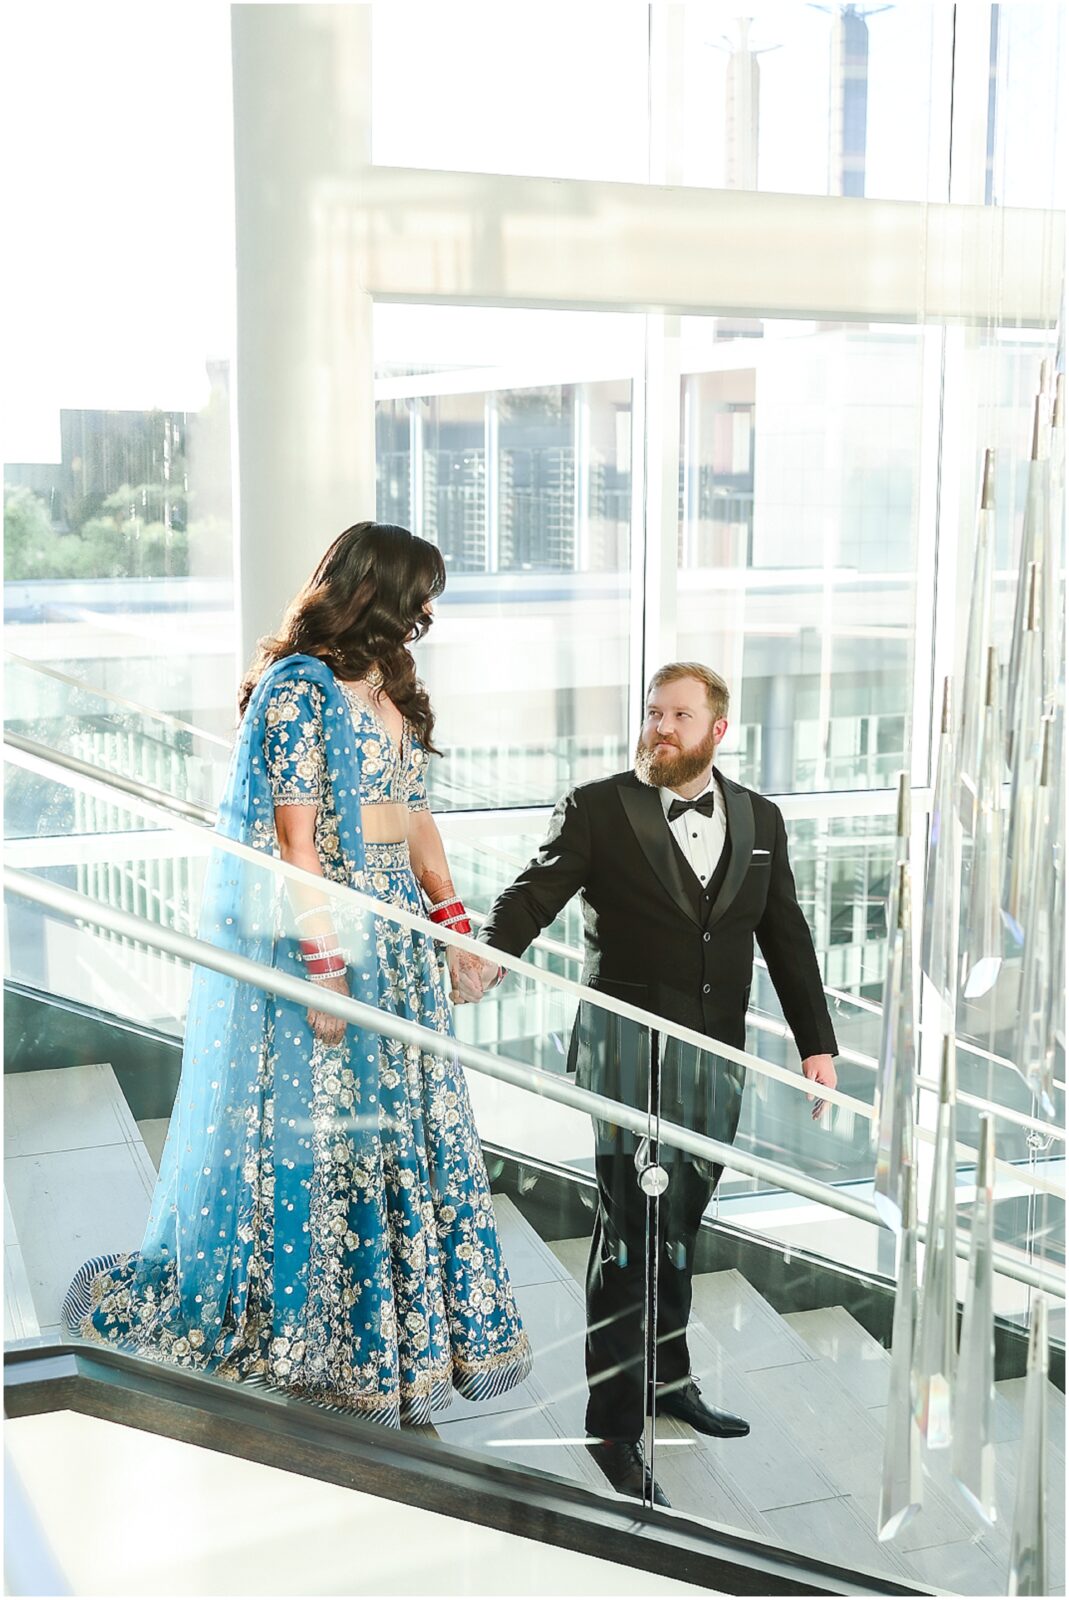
(1040, 997)
(901, 1483)
(1035, 539)
(974, 1388)
(981, 922)
(1026, 718)
(897, 1065)
(934, 1356)
(941, 875)
(1028, 1539)
(977, 644)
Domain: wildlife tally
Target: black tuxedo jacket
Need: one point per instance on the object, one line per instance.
(654, 938)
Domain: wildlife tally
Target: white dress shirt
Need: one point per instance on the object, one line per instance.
(700, 838)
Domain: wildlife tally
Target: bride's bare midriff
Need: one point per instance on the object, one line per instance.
(384, 824)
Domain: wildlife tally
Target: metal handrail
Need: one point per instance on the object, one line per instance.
(153, 714)
(148, 800)
(569, 952)
(68, 902)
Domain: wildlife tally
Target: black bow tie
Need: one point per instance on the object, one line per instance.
(705, 803)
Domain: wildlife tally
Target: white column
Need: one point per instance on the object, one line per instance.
(305, 395)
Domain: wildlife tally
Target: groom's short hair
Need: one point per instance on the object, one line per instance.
(716, 690)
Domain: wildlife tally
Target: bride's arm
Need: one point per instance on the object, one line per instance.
(295, 828)
(470, 975)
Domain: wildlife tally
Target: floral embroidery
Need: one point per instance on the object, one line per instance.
(393, 1294)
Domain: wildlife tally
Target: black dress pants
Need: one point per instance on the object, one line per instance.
(619, 1352)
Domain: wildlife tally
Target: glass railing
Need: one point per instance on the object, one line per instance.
(143, 747)
(810, 1380)
(158, 874)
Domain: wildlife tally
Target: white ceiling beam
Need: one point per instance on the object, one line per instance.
(475, 238)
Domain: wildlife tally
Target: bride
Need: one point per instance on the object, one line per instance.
(322, 1221)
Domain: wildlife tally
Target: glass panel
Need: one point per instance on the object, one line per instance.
(525, 486)
(45, 705)
(118, 554)
(862, 127)
(738, 1344)
(876, 80)
(799, 473)
(480, 65)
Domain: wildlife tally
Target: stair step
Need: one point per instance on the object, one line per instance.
(20, 1318)
(791, 1500)
(862, 1365)
(1012, 1390)
(745, 1327)
(77, 1174)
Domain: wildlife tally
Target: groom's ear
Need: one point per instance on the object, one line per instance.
(720, 727)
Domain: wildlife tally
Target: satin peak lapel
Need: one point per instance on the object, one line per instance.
(646, 816)
(739, 808)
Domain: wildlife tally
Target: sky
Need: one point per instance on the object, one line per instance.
(119, 261)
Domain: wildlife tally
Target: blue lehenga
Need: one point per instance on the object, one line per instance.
(322, 1221)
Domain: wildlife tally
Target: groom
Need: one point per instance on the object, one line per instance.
(678, 868)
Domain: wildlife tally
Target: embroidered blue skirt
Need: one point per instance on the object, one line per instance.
(393, 1292)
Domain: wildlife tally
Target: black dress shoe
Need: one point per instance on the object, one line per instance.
(684, 1400)
(625, 1469)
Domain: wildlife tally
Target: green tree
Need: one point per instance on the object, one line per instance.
(29, 542)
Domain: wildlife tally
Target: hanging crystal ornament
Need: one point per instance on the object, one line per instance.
(1035, 539)
(1038, 1010)
(1026, 715)
(1028, 1540)
(897, 1065)
(981, 925)
(1054, 609)
(933, 1361)
(901, 1483)
(974, 1388)
(941, 875)
(977, 643)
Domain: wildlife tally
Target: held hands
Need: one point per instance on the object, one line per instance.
(470, 976)
(819, 1069)
(328, 1029)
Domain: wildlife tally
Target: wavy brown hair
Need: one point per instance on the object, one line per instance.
(362, 605)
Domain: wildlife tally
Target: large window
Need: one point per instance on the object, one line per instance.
(799, 506)
(118, 561)
(526, 486)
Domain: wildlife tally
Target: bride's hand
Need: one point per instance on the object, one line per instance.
(327, 1028)
(470, 977)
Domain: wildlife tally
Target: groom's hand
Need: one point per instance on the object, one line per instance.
(819, 1069)
(470, 976)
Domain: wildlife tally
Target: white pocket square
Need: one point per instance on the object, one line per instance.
(762, 852)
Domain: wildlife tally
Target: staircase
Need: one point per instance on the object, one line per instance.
(813, 1384)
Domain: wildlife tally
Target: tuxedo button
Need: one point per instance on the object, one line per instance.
(707, 937)
(707, 988)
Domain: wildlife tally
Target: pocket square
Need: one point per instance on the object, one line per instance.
(762, 852)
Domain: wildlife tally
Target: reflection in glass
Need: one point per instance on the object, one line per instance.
(974, 1392)
(933, 1371)
(1028, 1541)
(901, 1486)
(981, 928)
(897, 1067)
(977, 644)
(937, 944)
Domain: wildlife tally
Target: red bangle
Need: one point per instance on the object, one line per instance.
(451, 914)
(320, 958)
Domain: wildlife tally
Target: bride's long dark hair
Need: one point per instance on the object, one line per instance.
(362, 605)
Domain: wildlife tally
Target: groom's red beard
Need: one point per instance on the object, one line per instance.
(669, 769)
